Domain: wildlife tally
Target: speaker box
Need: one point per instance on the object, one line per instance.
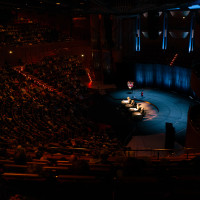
(169, 136)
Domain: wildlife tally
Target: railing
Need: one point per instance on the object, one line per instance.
(179, 154)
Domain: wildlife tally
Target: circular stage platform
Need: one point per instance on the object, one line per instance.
(161, 107)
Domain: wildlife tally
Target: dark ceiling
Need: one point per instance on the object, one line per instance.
(96, 6)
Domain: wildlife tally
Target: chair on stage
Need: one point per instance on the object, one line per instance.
(127, 101)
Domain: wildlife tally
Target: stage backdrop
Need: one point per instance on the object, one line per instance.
(162, 76)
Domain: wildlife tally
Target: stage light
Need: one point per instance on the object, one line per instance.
(180, 13)
(145, 14)
(10, 52)
(82, 55)
(174, 9)
(194, 7)
(179, 34)
(137, 38)
(146, 35)
(57, 3)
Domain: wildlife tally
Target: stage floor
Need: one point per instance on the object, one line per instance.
(165, 107)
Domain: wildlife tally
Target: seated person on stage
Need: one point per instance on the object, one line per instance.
(132, 102)
(126, 101)
(143, 112)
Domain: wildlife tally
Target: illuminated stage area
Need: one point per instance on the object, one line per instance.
(160, 107)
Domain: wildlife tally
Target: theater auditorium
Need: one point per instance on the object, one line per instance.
(99, 99)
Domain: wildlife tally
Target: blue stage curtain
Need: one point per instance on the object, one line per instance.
(182, 78)
(167, 76)
(158, 74)
(163, 76)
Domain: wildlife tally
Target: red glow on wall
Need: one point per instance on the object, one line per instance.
(90, 83)
(79, 18)
(89, 77)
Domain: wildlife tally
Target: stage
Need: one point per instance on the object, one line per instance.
(162, 107)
